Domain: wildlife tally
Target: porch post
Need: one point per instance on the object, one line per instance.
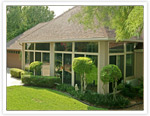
(52, 59)
(23, 56)
(73, 49)
(103, 60)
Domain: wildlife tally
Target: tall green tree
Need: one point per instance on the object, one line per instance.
(21, 18)
(14, 21)
(127, 21)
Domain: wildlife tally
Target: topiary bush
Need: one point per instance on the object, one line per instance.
(15, 72)
(40, 81)
(82, 66)
(36, 67)
(111, 73)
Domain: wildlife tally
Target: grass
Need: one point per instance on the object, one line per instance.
(35, 98)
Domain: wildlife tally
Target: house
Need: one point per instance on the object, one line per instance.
(57, 42)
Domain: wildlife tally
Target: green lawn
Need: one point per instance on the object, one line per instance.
(34, 98)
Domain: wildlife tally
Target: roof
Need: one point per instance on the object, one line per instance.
(14, 43)
(60, 29)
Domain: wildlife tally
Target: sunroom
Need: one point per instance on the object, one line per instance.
(56, 43)
(57, 59)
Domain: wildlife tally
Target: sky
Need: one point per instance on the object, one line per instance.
(58, 10)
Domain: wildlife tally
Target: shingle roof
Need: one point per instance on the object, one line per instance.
(60, 29)
(14, 43)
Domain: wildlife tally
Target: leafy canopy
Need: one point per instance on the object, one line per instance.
(82, 65)
(127, 21)
(110, 73)
(21, 18)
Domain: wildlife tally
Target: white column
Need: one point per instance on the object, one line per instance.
(73, 49)
(52, 59)
(23, 56)
(103, 60)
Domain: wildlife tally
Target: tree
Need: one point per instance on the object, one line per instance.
(21, 18)
(36, 67)
(127, 21)
(111, 73)
(82, 66)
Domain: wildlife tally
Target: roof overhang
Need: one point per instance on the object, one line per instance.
(79, 40)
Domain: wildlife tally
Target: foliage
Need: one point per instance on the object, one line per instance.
(27, 68)
(15, 72)
(36, 66)
(95, 98)
(92, 76)
(127, 21)
(111, 73)
(82, 66)
(24, 98)
(130, 91)
(65, 87)
(40, 81)
(21, 18)
(106, 100)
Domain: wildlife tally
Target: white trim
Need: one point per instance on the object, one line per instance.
(73, 55)
(98, 67)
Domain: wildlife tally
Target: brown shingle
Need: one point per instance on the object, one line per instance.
(60, 29)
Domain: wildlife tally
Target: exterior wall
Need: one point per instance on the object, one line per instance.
(13, 59)
(139, 70)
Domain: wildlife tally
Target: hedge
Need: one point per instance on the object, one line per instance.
(40, 81)
(15, 72)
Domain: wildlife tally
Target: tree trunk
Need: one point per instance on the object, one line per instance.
(84, 82)
(114, 93)
(81, 83)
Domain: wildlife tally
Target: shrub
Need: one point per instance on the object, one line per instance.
(95, 98)
(82, 66)
(40, 81)
(65, 87)
(106, 100)
(15, 72)
(27, 69)
(130, 91)
(36, 66)
(111, 73)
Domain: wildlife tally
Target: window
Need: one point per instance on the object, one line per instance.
(116, 47)
(43, 46)
(63, 46)
(45, 58)
(38, 56)
(130, 47)
(29, 57)
(129, 65)
(86, 47)
(29, 46)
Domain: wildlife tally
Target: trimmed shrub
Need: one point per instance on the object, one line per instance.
(82, 66)
(36, 66)
(15, 72)
(40, 81)
(111, 73)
